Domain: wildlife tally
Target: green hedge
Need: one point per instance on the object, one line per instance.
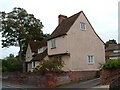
(112, 64)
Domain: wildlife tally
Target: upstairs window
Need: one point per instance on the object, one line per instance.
(82, 26)
(40, 50)
(53, 43)
(90, 59)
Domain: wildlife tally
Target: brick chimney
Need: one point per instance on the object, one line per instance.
(61, 18)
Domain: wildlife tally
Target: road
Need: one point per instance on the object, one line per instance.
(84, 85)
(13, 86)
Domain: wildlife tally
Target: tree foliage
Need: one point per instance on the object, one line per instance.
(110, 42)
(18, 27)
(11, 64)
(112, 64)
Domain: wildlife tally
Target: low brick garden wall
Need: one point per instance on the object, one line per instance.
(48, 80)
(107, 76)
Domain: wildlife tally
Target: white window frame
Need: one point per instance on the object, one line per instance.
(40, 50)
(53, 43)
(90, 59)
(82, 26)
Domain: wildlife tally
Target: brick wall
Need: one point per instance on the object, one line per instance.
(106, 76)
(49, 80)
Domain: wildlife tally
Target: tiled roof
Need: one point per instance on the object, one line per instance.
(59, 54)
(64, 26)
(111, 48)
(40, 56)
(35, 45)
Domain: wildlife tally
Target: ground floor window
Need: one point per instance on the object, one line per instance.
(90, 59)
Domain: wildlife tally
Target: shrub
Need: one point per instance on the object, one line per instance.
(11, 64)
(4, 69)
(112, 64)
(53, 65)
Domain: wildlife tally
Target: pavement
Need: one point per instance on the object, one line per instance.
(101, 87)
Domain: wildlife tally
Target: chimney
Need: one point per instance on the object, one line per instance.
(61, 18)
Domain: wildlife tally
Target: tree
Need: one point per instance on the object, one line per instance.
(11, 64)
(110, 42)
(18, 27)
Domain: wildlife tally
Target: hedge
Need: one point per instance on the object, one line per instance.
(112, 64)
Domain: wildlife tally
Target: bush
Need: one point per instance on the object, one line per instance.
(4, 69)
(11, 64)
(53, 65)
(112, 64)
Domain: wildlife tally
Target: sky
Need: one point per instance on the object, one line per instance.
(102, 14)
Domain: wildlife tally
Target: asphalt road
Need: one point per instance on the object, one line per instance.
(84, 85)
(13, 86)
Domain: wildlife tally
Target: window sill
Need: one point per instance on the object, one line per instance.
(83, 29)
(53, 48)
(90, 63)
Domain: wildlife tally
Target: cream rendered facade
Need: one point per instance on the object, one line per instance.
(79, 43)
(29, 58)
(28, 54)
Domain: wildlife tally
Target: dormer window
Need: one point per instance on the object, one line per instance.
(53, 43)
(82, 26)
(40, 50)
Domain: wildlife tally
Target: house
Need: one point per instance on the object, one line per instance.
(35, 53)
(76, 43)
(112, 51)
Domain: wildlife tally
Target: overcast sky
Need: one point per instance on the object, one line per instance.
(102, 14)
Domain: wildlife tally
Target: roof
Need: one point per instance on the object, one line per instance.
(35, 45)
(59, 54)
(40, 56)
(111, 48)
(64, 26)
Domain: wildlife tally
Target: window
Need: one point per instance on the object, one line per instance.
(53, 43)
(90, 59)
(40, 50)
(82, 26)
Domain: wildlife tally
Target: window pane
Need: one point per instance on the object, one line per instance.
(90, 59)
(82, 26)
(53, 43)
